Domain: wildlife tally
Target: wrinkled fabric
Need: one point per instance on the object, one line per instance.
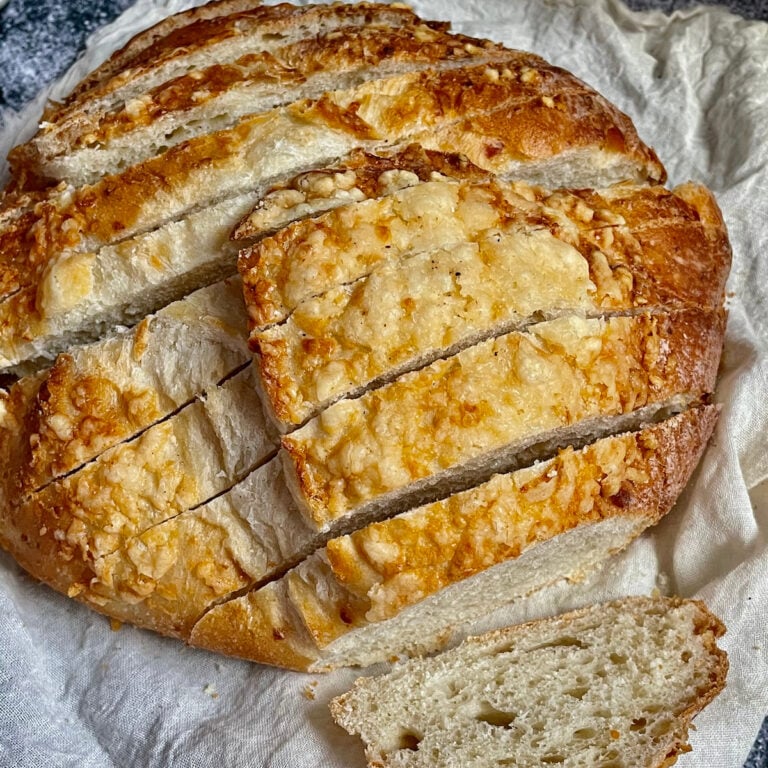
(75, 692)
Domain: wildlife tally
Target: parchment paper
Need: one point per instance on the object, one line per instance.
(74, 692)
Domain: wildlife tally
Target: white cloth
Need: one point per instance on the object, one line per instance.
(75, 693)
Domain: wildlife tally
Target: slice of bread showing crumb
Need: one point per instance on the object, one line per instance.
(408, 584)
(614, 685)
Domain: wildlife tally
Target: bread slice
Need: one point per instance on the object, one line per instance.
(409, 584)
(165, 578)
(614, 685)
(82, 296)
(138, 44)
(358, 176)
(99, 395)
(471, 414)
(337, 247)
(176, 464)
(518, 263)
(214, 98)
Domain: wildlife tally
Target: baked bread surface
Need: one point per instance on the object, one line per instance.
(486, 331)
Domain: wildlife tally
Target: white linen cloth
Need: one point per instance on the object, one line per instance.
(73, 692)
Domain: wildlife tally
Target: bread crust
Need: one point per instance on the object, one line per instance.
(371, 450)
(376, 572)
(121, 58)
(301, 69)
(58, 532)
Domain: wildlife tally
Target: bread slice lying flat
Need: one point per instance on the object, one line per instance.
(613, 685)
(410, 583)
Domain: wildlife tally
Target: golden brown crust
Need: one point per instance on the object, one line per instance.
(255, 627)
(493, 394)
(122, 58)
(200, 33)
(385, 567)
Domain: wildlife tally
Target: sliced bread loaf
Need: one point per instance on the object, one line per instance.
(613, 685)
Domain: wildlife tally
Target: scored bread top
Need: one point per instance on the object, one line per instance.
(499, 395)
(377, 572)
(399, 280)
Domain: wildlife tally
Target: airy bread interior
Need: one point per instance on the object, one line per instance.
(612, 685)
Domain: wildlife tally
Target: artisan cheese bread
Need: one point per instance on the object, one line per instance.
(488, 334)
(615, 684)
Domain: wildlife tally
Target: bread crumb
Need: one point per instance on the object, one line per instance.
(211, 691)
(115, 625)
(309, 690)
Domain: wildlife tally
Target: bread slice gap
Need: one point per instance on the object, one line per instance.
(475, 411)
(215, 98)
(97, 396)
(614, 684)
(175, 464)
(411, 583)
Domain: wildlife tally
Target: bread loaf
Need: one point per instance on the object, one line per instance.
(487, 333)
(614, 684)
